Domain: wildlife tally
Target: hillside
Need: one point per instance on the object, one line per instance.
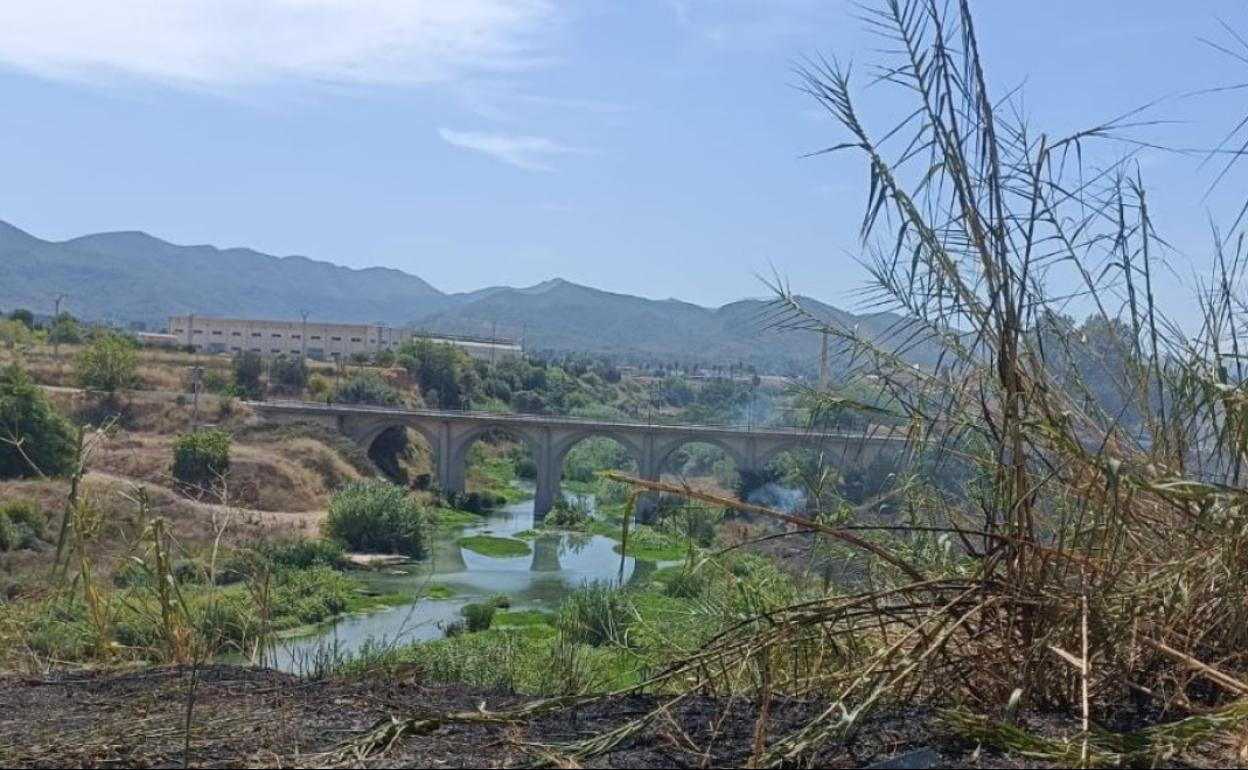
(132, 276)
(128, 277)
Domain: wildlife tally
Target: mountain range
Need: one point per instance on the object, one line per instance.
(131, 277)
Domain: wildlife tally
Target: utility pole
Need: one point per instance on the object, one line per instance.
(303, 336)
(493, 341)
(196, 373)
(56, 339)
(823, 364)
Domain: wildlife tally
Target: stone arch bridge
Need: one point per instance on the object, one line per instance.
(451, 434)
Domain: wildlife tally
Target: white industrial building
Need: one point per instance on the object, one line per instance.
(317, 340)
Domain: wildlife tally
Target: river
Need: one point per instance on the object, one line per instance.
(559, 563)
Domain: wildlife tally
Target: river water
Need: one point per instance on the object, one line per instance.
(560, 563)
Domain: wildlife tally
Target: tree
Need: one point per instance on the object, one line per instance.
(248, 369)
(363, 389)
(108, 363)
(445, 373)
(24, 317)
(65, 329)
(34, 438)
(201, 459)
(289, 373)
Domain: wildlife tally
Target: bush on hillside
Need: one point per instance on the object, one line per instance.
(372, 515)
(109, 362)
(248, 369)
(34, 437)
(201, 459)
(288, 374)
(363, 389)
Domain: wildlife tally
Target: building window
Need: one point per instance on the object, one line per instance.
(255, 350)
(255, 334)
(179, 331)
(294, 336)
(316, 336)
(276, 335)
(355, 339)
(216, 332)
(236, 334)
(336, 339)
(275, 350)
(236, 349)
(199, 331)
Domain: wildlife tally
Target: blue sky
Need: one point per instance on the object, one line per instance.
(644, 146)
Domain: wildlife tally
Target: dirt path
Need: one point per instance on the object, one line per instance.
(306, 520)
(257, 718)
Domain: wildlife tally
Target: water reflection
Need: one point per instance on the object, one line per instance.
(558, 564)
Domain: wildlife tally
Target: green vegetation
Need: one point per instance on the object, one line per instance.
(453, 517)
(597, 614)
(248, 369)
(572, 515)
(478, 617)
(108, 363)
(22, 525)
(365, 389)
(288, 374)
(437, 591)
(371, 515)
(487, 545)
(523, 618)
(34, 438)
(201, 460)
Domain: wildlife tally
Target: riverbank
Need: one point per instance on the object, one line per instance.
(261, 718)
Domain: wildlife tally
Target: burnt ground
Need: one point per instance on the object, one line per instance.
(250, 717)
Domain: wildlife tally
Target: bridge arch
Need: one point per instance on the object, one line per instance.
(563, 445)
(369, 433)
(664, 451)
(462, 443)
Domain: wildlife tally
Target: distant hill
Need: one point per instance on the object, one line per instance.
(131, 276)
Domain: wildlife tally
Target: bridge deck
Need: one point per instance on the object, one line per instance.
(874, 433)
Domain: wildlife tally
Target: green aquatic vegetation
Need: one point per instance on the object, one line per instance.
(452, 517)
(516, 618)
(499, 547)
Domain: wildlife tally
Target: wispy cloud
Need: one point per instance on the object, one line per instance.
(228, 43)
(750, 25)
(528, 152)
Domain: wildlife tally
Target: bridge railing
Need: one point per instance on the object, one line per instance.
(878, 431)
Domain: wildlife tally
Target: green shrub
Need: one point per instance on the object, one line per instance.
(288, 373)
(478, 617)
(108, 363)
(573, 515)
(372, 515)
(363, 389)
(248, 368)
(311, 595)
(318, 385)
(26, 514)
(10, 536)
(201, 459)
(27, 415)
(477, 502)
(303, 552)
(596, 614)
